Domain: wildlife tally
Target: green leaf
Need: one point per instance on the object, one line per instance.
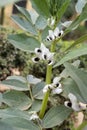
(32, 79)
(79, 40)
(41, 7)
(37, 90)
(17, 99)
(70, 86)
(0, 99)
(41, 23)
(11, 112)
(5, 2)
(73, 54)
(34, 15)
(55, 116)
(20, 78)
(23, 42)
(15, 84)
(21, 123)
(63, 8)
(5, 126)
(36, 106)
(78, 20)
(79, 5)
(24, 12)
(24, 24)
(80, 77)
(45, 33)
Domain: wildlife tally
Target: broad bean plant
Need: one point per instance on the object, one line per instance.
(31, 103)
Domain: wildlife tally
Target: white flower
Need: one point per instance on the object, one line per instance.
(47, 87)
(43, 53)
(51, 36)
(34, 116)
(57, 90)
(73, 103)
(56, 80)
(54, 34)
(47, 55)
(55, 87)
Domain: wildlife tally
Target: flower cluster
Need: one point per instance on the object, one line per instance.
(54, 34)
(55, 87)
(74, 103)
(43, 53)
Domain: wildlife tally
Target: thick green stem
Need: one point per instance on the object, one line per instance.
(48, 81)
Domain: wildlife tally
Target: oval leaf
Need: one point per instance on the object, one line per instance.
(55, 116)
(32, 79)
(21, 123)
(41, 23)
(15, 84)
(73, 54)
(80, 77)
(71, 87)
(24, 24)
(17, 99)
(11, 112)
(23, 42)
(37, 90)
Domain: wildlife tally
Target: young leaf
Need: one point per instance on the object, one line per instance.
(41, 23)
(23, 42)
(24, 12)
(17, 99)
(55, 116)
(73, 54)
(41, 7)
(24, 24)
(80, 77)
(21, 124)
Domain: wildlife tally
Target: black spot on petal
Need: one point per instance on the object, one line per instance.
(59, 34)
(69, 104)
(39, 50)
(50, 38)
(36, 59)
(45, 57)
(57, 85)
(49, 61)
